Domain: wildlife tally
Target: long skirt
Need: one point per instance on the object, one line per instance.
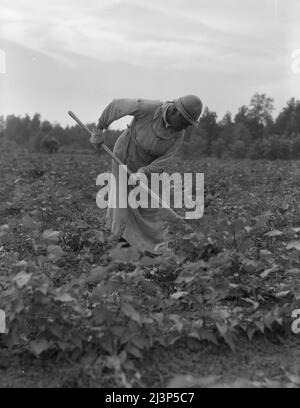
(144, 228)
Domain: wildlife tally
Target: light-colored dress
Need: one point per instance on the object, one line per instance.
(147, 144)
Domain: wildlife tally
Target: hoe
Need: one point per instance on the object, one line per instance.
(170, 213)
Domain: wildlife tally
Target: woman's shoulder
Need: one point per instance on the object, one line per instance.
(149, 106)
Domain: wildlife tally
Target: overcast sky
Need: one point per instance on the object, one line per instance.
(81, 54)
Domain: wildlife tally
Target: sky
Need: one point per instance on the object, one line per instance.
(78, 55)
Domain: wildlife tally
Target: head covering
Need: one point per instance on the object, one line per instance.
(190, 106)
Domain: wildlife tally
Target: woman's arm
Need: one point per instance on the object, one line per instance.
(158, 165)
(119, 108)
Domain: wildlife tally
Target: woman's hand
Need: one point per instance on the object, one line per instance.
(97, 138)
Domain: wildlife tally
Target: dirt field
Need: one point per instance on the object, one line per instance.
(217, 307)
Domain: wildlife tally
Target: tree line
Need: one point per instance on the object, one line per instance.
(252, 133)
(37, 135)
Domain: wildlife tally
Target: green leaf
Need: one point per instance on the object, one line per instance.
(64, 297)
(117, 330)
(178, 321)
(219, 315)
(185, 276)
(229, 338)
(99, 235)
(273, 233)
(188, 381)
(178, 295)
(222, 328)
(260, 326)
(63, 345)
(22, 278)
(250, 332)
(239, 225)
(171, 339)
(97, 274)
(55, 252)
(252, 302)
(158, 317)
(50, 235)
(4, 230)
(282, 294)
(107, 344)
(263, 253)
(208, 335)
(100, 314)
(148, 261)
(130, 312)
(131, 349)
(21, 264)
(130, 254)
(76, 340)
(268, 319)
(149, 287)
(198, 324)
(141, 342)
(194, 334)
(38, 346)
(100, 292)
(294, 378)
(293, 245)
(268, 271)
(29, 223)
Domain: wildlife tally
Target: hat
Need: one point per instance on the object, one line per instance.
(190, 106)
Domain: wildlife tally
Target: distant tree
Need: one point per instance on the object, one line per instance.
(277, 147)
(261, 108)
(219, 148)
(238, 149)
(258, 116)
(241, 133)
(226, 126)
(2, 125)
(295, 146)
(46, 127)
(245, 118)
(226, 121)
(188, 134)
(288, 120)
(35, 124)
(257, 149)
(50, 144)
(25, 129)
(252, 133)
(196, 145)
(12, 130)
(59, 133)
(208, 130)
(41, 135)
(242, 116)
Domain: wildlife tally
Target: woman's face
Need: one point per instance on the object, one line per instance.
(176, 120)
